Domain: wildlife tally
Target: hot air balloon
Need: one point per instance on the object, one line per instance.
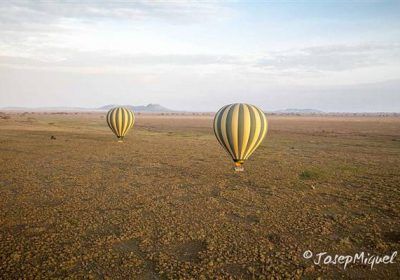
(240, 128)
(120, 120)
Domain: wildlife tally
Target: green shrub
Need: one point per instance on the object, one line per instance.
(308, 175)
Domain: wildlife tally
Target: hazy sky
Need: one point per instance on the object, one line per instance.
(200, 55)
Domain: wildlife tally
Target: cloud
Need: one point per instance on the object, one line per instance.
(188, 91)
(317, 59)
(96, 62)
(333, 57)
(51, 28)
(17, 13)
(44, 33)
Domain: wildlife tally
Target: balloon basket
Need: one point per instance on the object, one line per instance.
(120, 141)
(238, 167)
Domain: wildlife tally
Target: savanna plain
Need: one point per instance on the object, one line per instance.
(167, 204)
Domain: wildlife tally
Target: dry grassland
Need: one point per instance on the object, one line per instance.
(166, 203)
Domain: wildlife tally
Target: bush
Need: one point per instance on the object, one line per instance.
(4, 117)
(308, 175)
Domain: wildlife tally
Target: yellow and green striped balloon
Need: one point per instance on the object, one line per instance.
(120, 120)
(240, 128)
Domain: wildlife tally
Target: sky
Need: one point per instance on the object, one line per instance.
(335, 56)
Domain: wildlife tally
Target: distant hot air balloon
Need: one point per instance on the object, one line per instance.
(120, 120)
(240, 128)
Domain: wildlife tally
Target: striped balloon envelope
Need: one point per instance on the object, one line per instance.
(120, 120)
(240, 128)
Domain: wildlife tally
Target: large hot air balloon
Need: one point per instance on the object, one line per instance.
(120, 120)
(240, 128)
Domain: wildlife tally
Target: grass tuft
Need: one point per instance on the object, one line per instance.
(308, 175)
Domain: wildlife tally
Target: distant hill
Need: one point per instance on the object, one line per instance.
(156, 108)
(299, 111)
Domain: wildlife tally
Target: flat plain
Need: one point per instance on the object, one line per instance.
(166, 203)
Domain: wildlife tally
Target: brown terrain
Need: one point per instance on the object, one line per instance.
(166, 203)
